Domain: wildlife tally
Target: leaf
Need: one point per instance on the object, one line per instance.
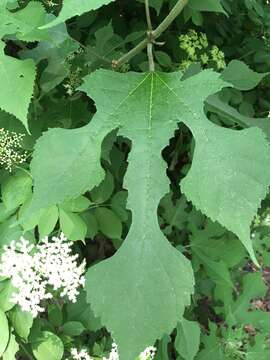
(72, 225)
(146, 108)
(24, 23)
(4, 332)
(219, 107)
(48, 346)
(212, 346)
(253, 288)
(104, 191)
(21, 321)
(19, 77)
(241, 76)
(76, 205)
(108, 223)
(6, 290)
(12, 349)
(187, 341)
(72, 8)
(16, 189)
(47, 221)
(82, 312)
(73, 328)
(206, 5)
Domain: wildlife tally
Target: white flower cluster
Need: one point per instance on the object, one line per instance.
(147, 354)
(80, 355)
(11, 152)
(37, 271)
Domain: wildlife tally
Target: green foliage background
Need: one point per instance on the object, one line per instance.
(156, 178)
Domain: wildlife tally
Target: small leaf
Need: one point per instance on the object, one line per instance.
(187, 341)
(73, 328)
(91, 223)
(241, 76)
(108, 222)
(47, 221)
(6, 290)
(163, 58)
(21, 321)
(48, 346)
(79, 204)
(72, 225)
(104, 190)
(4, 332)
(81, 311)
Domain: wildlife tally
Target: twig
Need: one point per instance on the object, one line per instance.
(176, 10)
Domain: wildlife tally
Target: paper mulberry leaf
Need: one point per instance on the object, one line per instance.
(18, 77)
(129, 290)
(72, 8)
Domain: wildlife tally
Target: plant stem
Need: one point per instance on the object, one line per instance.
(176, 10)
(150, 56)
(148, 16)
(150, 38)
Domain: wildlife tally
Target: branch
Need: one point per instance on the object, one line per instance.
(176, 10)
(148, 16)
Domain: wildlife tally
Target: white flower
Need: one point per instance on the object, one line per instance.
(82, 355)
(147, 354)
(36, 271)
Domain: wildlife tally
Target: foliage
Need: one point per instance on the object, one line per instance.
(159, 179)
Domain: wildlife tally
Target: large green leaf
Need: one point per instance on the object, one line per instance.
(224, 183)
(72, 8)
(18, 77)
